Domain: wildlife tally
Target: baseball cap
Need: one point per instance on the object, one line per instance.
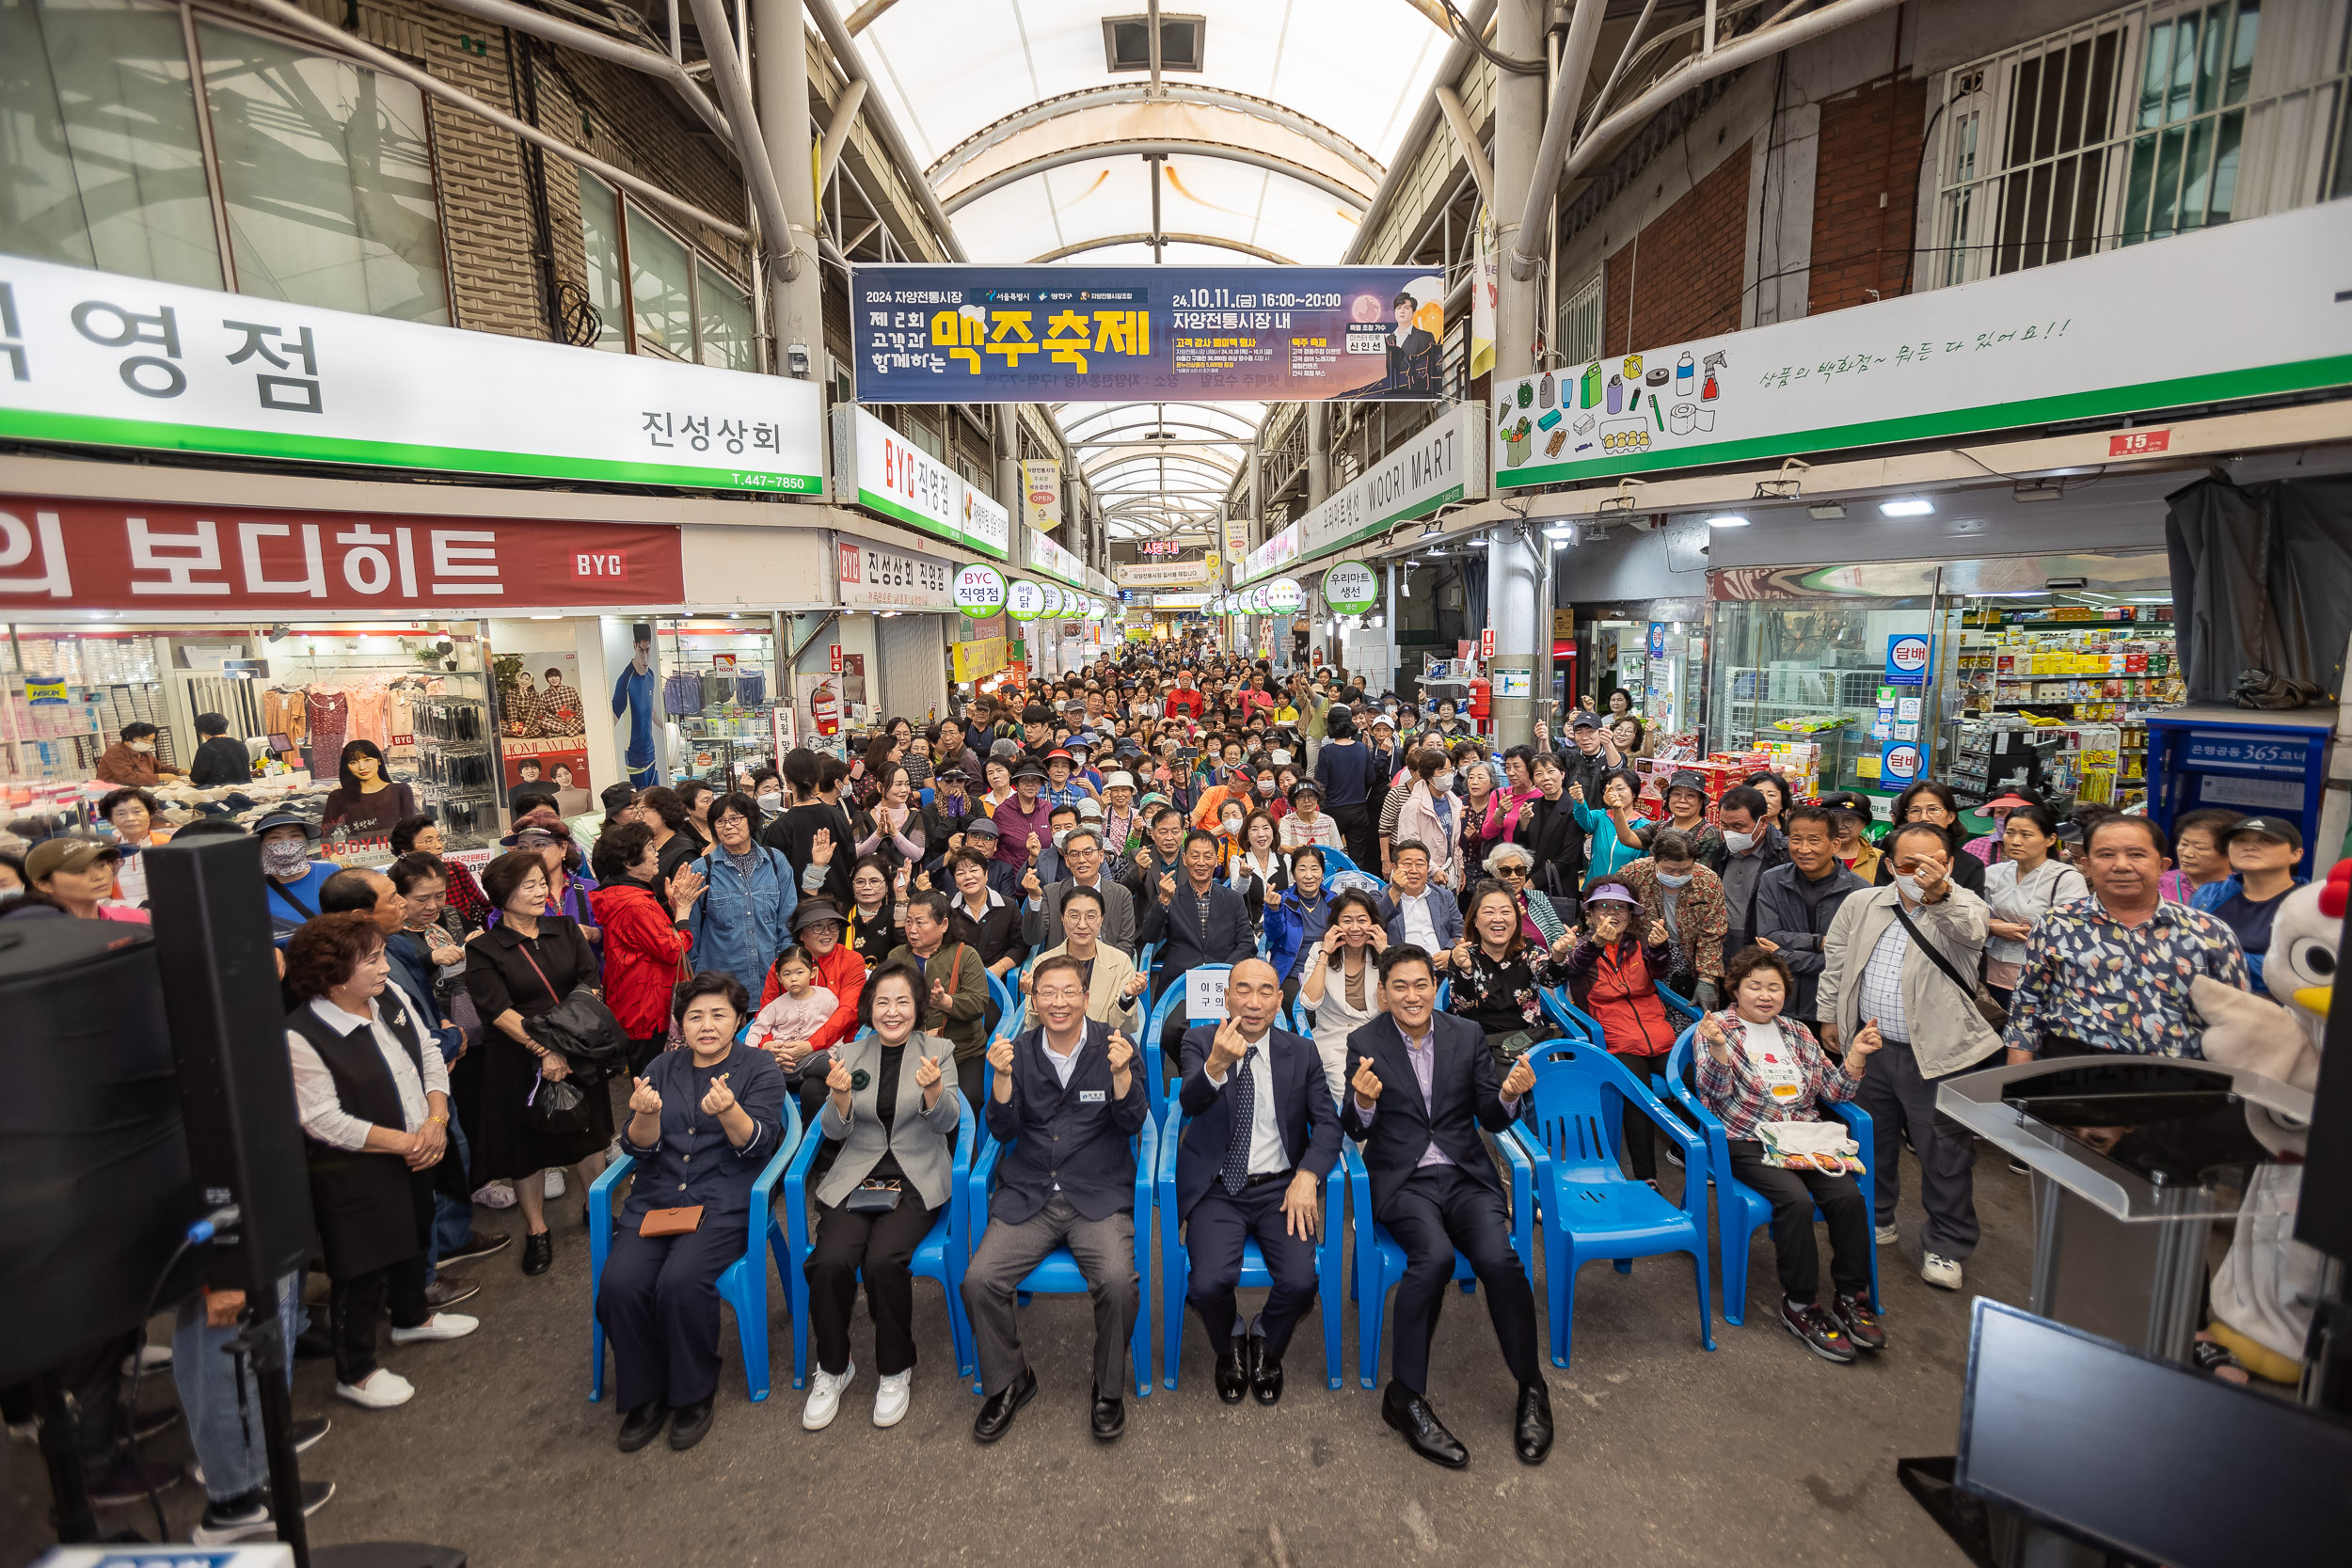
(1610, 893)
(984, 825)
(1061, 752)
(1090, 810)
(2275, 827)
(1583, 720)
(67, 853)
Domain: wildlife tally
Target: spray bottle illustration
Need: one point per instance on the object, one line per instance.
(1616, 395)
(1713, 364)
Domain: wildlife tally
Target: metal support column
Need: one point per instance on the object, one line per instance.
(1512, 581)
(780, 80)
(1318, 454)
(1008, 443)
(1388, 625)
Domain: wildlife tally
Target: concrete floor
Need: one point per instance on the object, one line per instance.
(1758, 1454)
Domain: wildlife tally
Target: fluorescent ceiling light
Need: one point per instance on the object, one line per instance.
(1560, 544)
(1475, 542)
(547, 617)
(1727, 519)
(1564, 529)
(1826, 511)
(1907, 506)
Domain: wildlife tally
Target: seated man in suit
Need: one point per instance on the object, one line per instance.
(1197, 920)
(1420, 1084)
(1082, 857)
(1113, 984)
(1261, 1137)
(1065, 1101)
(1418, 910)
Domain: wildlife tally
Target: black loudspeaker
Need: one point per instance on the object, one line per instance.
(228, 1026)
(94, 1191)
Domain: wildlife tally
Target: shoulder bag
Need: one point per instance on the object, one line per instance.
(581, 1028)
(1992, 1011)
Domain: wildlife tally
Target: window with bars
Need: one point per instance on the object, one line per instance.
(1580, 324)
(2155, 119)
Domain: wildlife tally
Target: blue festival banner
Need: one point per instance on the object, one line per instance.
(1083, 334)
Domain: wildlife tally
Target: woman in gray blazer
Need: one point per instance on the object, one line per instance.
(894, 1107)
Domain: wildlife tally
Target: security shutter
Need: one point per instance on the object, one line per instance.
(913, 652)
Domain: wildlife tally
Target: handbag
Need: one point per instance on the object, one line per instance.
(579, 1026)
(871, 1197)
(682, 1220)
(1992, 1011)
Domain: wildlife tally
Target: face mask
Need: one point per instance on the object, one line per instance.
(1909, 886)
(1266, 788)
(1739, 844)
(142, 745)
(1232, 825)
(1444, 783)
(285, 858)
(1665, 880)
(1061, 836)
(770, 800)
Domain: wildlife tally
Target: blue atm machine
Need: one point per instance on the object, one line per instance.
(2266, 764)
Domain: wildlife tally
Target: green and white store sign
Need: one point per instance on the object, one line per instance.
(1024, 601)
(97, 358)
(1283, 595)
(1351, 588)
(979, 590)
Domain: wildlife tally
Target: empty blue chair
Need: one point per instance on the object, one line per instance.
(742, 1284)
(1176, 1263)
(1380, 1259)
(941, 1255)
(1058, 1273)
(1589, 1209)
(1739, 1209)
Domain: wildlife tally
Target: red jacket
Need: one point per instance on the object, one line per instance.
(1614, 984)
(642, 950)
(842, 972)
(1184, 700)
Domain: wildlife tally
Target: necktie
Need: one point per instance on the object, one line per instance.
(1243, 1132)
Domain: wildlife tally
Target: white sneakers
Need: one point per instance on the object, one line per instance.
(891, 1399)
(1888, 1235)
(1940, 1272)
(381, 1390)
(824, 1398)
(441, 1325)
(554, 1186)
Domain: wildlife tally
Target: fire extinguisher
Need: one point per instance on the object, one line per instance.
(824, 709)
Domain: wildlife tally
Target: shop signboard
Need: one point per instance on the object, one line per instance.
(1161, 574)
(1443, 464)
(1907, 659)
(1898, 764)
(1272, 556)
(877, 469)
(1055, 561)
(1237, 540)
(102, 359)
(1040, 492)
(875, 577)
(1351, 588)
(58, 554)
(979, 659)
(1282, 596)
(2062, 342)
(1011, 333)
(979, 590)
(1198, 602)
(1024, 601)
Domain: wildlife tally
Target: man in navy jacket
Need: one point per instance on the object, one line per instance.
(1260, 1136)
(1421, 1084)
(1197, 920)
(1412, 885)
(1065, 1101)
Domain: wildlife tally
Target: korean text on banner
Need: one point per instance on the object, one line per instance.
(879, 470)
(1051, 559)
(1041, 493)
(1445, 463)
(100, 359)
(1051, 334)
(2066, 341)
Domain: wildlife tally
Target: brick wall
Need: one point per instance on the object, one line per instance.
(1864, 192)
(1679, 278)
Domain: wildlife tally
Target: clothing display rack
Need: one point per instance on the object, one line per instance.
(457, 767)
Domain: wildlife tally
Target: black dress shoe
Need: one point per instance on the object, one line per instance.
(539, 1252)
(997, 1410)
(692, 1423)
(1266, 1377)
(314, 1344)
(1532, 1436)
(1110, 1418)
(1232, 1370)
(475, 1245)
(641, 1425)
(1423, 1430)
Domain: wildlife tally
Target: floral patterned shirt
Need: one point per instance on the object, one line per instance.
(2089, 977)
(1494, 994)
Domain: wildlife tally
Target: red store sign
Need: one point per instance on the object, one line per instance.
(60, 554)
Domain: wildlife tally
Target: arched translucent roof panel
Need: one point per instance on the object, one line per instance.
(1106, 197)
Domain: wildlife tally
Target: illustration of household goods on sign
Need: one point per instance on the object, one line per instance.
(1614, 407)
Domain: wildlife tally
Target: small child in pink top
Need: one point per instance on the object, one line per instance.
(797, 1014)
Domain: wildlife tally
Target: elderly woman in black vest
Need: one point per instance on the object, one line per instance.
(373, 1101)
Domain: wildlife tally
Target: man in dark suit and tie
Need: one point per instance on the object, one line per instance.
(1260, 1136)
(1197, 920)
(1065, 1101)
(1420, 1084)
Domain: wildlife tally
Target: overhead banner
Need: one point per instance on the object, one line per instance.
(1272, 556)
(1041, 493)
(1443, 464)
(96, 359)
(2071, 341)
(881, 470)
(1161, 574)
(1055, 334)
(1051, 559)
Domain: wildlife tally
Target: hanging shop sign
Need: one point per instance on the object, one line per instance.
(1906, 659)
(1259, 601)
(1053, 596)
(1047, 557)
(979, 659)
(2060, 342)
(1040, 492)
(1161, 574)
(100, 359)
(1024, 601)
(1053, 334)
(881, 470)
(979, 590)
(1236, 540)
(1351, 588)
(1443, 464)
(1272, 556)
(1283, 595)
(58, 554)
(1177, 602)
(874, 576)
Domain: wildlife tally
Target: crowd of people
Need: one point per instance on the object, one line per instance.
(659, 981)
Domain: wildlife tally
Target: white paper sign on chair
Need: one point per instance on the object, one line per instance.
(1204, 995)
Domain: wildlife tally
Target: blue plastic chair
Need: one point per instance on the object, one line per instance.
(1591, 1209)
(1059, 1273)
(742, 1284)
(1007, 1000)
(1176, 1263)
(1145, 957)
(941, 1255)
(1739, 1209)
(1380, 1259)
(1157, 1021)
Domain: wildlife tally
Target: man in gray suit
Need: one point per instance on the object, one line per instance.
(1041, 916)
